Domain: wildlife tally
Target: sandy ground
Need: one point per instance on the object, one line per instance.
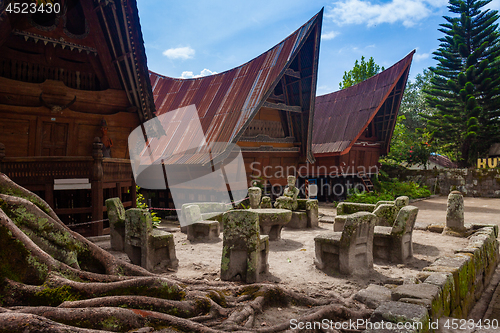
(291, 259)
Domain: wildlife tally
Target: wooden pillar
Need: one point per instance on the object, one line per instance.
(133, 192)
(97, 191)
(2, 155)
(49, 194)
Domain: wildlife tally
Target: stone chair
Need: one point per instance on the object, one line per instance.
(244, 252)
(386, 211)
(345, 208)
(150, 248)
(199, 229)
(306, 215)
(208, 210)
(386, 214)
(116, 216)
(395, 243)
(348, 251)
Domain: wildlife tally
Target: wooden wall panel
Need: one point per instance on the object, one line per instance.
(15, 134)
(22, 131)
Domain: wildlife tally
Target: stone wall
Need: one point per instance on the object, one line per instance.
(471, 182)
(447, 288)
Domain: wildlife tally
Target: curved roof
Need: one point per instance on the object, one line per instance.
(342, 116)
(228, 101)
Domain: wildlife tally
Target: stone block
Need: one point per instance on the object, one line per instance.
(447, 285)
(116, 216)
(399, 312)
(373, 295)
(455, 212)
(203, 231)
(298, 220)
(430, 293)
(461, 267)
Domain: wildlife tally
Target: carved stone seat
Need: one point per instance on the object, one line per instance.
(199, 229)
(116, 216)
(306, 215)
(386, 211)
(150, 248)
(244, 252)
(348, 251)
(395, 243)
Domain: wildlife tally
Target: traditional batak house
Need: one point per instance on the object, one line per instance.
(265, 106)
(352, 128)
(69, 74)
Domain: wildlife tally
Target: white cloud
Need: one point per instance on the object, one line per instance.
(421, 56)
(409, 12)
(179, 53)
(329, 35)
(190, 75)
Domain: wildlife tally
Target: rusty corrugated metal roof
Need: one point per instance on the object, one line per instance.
(228, 101)
(341, 116)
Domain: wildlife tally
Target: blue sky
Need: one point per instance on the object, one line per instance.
(199, 37)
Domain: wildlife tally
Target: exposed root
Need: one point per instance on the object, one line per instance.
(54, 280)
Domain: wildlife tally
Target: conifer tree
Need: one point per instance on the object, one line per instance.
(465, 88)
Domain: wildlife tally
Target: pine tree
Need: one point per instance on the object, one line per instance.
(360, 72)
(465, 88)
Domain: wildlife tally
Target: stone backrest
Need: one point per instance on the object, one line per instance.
(386, 214)
(208, 211)
(356, 243)
(402, 201)
(358, 229)
(145, 246)
(345, 208)
(116, 216)
(405, 221)
(192, 214)
(244, 251)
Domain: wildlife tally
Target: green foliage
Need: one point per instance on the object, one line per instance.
(465, 88)
(409, 146)
(388, 189)
(141, 203)
(360, 72)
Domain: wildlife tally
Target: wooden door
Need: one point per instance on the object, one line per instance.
(54, 139)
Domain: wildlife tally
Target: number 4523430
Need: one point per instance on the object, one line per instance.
(463, 324)
(33, 7)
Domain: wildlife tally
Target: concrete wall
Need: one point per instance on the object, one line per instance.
(471, 182)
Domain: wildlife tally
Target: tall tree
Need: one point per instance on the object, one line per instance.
(465, 89)
(360, 72)
(413, 103)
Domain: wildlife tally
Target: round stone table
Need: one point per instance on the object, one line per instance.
(272, 220)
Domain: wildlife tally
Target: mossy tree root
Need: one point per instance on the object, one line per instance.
(113, 319)
(54, 280)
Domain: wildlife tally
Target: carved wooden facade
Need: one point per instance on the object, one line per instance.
(62, 77)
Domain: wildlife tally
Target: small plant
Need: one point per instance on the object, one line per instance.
(141, 203)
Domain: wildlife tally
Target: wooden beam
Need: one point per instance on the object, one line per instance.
(282, 107)
(292, 73)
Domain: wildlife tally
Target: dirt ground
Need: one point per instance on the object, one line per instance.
(291, 259)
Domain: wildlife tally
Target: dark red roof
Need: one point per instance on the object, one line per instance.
(341, 117)
(227, 102)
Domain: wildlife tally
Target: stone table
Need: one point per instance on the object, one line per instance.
(272, 220)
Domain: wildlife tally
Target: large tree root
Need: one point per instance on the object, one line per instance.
(54, 280)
